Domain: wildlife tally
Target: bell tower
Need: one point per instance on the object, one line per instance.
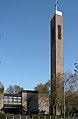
(57, 51)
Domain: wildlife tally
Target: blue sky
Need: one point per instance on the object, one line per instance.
(25, 40)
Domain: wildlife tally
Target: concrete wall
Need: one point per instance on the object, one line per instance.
(32, 100)
(24, 101)
(29, 100)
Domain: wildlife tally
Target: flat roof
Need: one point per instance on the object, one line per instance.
(28, 91)
(58, 12)
(11, 94)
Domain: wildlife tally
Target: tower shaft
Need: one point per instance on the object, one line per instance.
(57, 52)
(57, 44)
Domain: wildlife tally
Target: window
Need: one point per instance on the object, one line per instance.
(19, 100)
(59, 32)
(53, 33)
(10, 98)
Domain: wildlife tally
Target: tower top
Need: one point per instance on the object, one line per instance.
(56, 7)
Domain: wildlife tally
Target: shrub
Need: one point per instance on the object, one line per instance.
(2, 116)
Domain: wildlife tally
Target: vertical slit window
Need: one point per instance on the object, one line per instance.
(59, 32)
(53, 33)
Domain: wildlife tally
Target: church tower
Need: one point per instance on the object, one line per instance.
(57, 53)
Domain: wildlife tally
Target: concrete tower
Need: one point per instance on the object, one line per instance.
(1, 96)
(57, 50)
